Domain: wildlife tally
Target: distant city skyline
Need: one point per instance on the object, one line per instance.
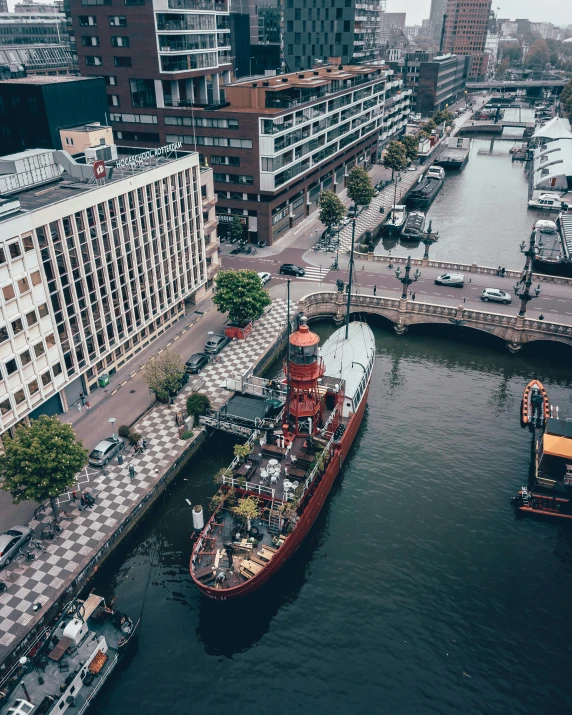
(558, 12)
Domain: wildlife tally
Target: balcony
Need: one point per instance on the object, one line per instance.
(209, 201)
(208, 228)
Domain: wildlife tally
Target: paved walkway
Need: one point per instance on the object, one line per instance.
(86, 533)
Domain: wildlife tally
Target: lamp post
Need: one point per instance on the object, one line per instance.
(531, 251)
(429, 238)
(111, 421)
(522, 291)
(351, 272)
(406, 280)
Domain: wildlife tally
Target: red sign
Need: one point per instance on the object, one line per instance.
(99, 169)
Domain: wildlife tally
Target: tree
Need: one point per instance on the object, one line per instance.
(538, 54)
(513, 52)
(360, 189)
(41, 461)
(426, 96)
(236, 231)
(164, 374)
(444, 115)
(241, 295)
(332, 210)
(503, 66)
(247, 509)
(197, 404)
(395, 157)
(242, 450)
(410, 143)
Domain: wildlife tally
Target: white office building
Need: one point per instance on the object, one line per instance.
(93, 270)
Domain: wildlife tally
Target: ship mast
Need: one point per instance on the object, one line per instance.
(351, 273)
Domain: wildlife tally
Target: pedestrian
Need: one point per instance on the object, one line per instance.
(144, 443)
(464, 300)
(541, 317)
(90, 501)
(375, 290)
(503, 271)
(131, 471)
(82, 398)
(79, 406)
(82, 503)
(74, 496)
(413, 296)
(87, 405)
(498, 271)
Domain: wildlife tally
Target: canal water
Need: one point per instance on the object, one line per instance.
(481, 212)
(417, 591)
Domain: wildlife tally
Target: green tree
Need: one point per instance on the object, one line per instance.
(236, 230)
(360, 189)
(426, 96)
(241, 295)
(410, 143)
(197, 404)
(538, 54)
(444, 115)
(332, 210)
(41, 461)
(513, 52)
(395, 157)
(164, 374)
(247, 509)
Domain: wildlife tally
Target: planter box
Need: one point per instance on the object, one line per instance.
(238, 331)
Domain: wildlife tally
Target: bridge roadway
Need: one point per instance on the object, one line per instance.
(516, 84)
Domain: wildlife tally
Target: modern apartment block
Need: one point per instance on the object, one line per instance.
(436, 14)
(315, 30)
(154, 54)
(32, 29)
(283, 139)
(260, 21)
(466, 33)
(43, 59)
(91, 273)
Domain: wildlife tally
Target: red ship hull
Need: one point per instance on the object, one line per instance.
(305, 523)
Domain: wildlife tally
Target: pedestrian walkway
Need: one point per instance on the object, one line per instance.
(69, 559)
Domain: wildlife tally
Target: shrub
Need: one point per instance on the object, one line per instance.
(197, 405)
(242, 450)
(134, 437)
(187, 434)
(163, 396)
(124, 431)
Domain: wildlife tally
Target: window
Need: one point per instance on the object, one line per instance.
(2, 256)
(229, 160)
(122, 61)
(11, 366)
(57, 368)
(3, 334)
(134, 118)
(87, 21)
(36, 278)
(96, 2)
(28, 243)
(339, 13)
(43, 310)
(135, 2)
(69, 141)
(46, 378)
(117, 21)
(19, 397)
(93, 61)
(110, 80)
(210, 141)
(290, 49)
(50, 341)
(142, 93)
(39, 349)
(33, 387)
(120, 41)
(31, 318)
(138, 136)
(113, 100)
(90, 41)
(297, 14)
(346, 25)
(233, 178)
(25, 357)
(17, 326)
(297, 38)
(14, 250)
(289, 26)
(5, 406)
(8, 292)
(23, 286)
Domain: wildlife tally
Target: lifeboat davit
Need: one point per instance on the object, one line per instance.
(535, 409)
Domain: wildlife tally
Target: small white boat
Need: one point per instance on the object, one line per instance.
(548, 202)
(437, 171)
(396, 219)
(545, 226)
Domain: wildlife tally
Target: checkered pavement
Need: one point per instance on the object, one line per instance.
(85, 533)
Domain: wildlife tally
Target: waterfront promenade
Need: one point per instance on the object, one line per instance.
(87, 536)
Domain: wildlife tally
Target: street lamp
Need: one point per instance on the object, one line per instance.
(406, 280)
(429, 238)
(531, 251)
(111, 421)
(522, 291)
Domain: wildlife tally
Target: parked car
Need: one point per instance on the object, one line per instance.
(264, 277)
(498, 296)
(11, 541)
(105, 451)
(196, 362)
(451, 279)
(261, 244)
(215, 344)
(236, 250)
(289, 269)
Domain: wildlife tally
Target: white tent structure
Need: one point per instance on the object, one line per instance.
(556, 128)
(553, 166)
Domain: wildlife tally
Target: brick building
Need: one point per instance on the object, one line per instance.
(466, 33)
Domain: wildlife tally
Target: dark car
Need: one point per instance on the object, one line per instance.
(236, 250)
(261, 244)
(216, 344)
(289, 269)
(196, 362)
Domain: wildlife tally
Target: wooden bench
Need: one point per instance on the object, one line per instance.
(273, 450)
(249, 568)
(257, 560)
(203, 573)
(295, 472)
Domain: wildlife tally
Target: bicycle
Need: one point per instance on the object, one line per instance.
(27, 555)
(37, 545)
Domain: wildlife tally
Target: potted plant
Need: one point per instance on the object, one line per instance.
(242, 451)
(246, 510)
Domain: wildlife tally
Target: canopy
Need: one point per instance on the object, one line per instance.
(557, 446)
(556, 128)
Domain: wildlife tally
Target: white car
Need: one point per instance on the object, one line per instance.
(497, 296)
(451, 279)
(264, 277)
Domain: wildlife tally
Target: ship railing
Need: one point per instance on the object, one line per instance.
(249, 487)
(98, 686)
(329, 421)
(310, 477)
(10, 673)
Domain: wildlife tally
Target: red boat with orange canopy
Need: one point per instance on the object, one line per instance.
(535, 408)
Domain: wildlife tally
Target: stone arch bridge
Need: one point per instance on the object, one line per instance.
(514, 330)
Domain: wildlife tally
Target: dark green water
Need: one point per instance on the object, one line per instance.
(418, 591)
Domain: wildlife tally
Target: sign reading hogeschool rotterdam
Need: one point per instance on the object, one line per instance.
(141, 158)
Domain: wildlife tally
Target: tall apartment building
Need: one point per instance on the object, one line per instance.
(154, 54)
(466, 33)
(261, 22)
(436, 14)
(391, 22)
(315, 30)
(283, 139)
(90, 275)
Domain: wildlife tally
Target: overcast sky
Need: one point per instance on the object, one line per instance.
(557, 11)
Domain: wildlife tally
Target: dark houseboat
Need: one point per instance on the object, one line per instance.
(554, 246)
(414, 226)
(424, 191)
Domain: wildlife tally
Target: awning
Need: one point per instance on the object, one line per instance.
(557, 446)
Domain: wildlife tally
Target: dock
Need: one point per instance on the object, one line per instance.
(456, 153)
